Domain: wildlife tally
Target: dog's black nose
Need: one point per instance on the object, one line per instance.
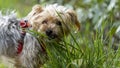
(49, 32)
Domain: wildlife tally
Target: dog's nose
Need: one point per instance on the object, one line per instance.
(25, 24)
(49, 32)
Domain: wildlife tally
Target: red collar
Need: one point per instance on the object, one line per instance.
(20, 47)
(23, 24)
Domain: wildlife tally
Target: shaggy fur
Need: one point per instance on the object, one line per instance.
(54, 21)
(10, 34)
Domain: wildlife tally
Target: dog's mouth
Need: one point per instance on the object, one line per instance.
(25, 24)
(52, 36)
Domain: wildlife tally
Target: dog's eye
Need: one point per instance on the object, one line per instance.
(44, 22)
(12, 21)
(58, 23)
(34, 13)
(16, 23)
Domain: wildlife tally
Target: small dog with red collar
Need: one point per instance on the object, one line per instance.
(16, 44)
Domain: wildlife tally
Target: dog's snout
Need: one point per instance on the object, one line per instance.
(49, 32)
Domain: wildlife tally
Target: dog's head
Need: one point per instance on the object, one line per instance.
(53, 20)
(9, 23)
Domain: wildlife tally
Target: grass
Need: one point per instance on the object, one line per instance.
(83, 51)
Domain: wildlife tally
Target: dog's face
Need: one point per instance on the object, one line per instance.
(54, 21)
(9, 24)
(13, 24)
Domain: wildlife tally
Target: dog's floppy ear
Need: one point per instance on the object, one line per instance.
(74, 19)
(37, 8)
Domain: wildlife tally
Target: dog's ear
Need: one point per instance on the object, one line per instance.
(37, 8)
(74, 19)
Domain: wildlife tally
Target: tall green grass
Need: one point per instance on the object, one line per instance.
(86, 49)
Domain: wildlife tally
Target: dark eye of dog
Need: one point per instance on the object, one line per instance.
(44, 22)
(34, 13)
(58, 23)
(16, 24)
(13, 26)
(12, 21)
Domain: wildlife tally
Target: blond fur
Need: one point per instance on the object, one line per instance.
(47, 18)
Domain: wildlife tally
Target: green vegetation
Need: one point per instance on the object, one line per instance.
(97, 43)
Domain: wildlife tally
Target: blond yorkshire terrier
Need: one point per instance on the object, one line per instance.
(55, 22)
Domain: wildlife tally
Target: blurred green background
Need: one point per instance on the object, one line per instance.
(96, 45)
(22, 7)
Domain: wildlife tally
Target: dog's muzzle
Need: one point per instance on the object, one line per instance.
(51, 34)
(25, 24)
